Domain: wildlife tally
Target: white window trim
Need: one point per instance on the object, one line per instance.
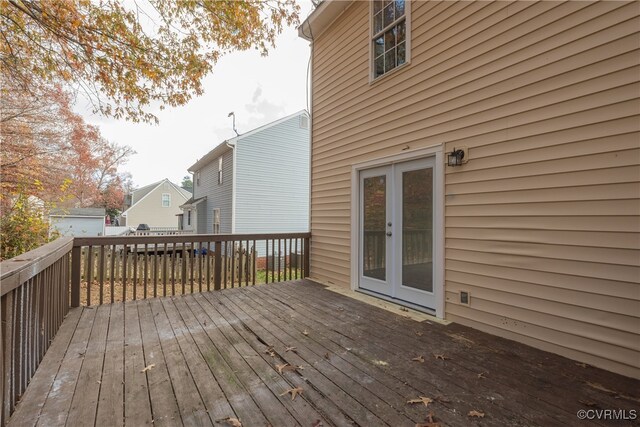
(437, 151)
(220, 169)
(162, 200)
(407, 13)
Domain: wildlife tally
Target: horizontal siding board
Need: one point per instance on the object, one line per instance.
(624, 174)
(623, 273)
(623, 191)
(612, 223)
(589, 208)
(593, 239)
(580, 297)
(561, 280)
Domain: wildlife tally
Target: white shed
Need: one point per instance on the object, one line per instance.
(78, 222)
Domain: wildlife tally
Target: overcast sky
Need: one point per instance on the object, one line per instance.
(258, 89)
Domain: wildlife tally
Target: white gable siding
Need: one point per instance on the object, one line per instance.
(272, 179)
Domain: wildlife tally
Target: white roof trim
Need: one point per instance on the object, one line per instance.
(321, 18)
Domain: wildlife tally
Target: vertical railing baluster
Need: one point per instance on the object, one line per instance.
(164, 270)
(173, 269)
(101, 274)
(155, 270)
(208, 259)
(124, 272)
(135, 271)
(217, 266)
(191, 264)
(112, 273)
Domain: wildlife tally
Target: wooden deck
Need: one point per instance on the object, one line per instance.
(202, 358)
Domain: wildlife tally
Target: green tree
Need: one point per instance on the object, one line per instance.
(187, 183)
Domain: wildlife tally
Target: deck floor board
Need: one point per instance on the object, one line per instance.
(198, 359)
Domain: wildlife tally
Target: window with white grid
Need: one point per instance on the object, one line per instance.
(390, 35)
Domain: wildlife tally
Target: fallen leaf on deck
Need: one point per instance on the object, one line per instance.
(326, 356)
(481, 375)
(294, 392)
(280, 368)
(589, 404)
(270, 352)
(582, 365)
(418, 333)
(233, 422)
(440, 356)
(404, 309)
(421, 399)
(286, 367)
(477, 414)
(317, 423)
(290, 349)
(305, 332)
(418, 359)
(148, 368)
(429, 422)
(381, 363)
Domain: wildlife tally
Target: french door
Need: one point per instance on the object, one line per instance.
(396, 225)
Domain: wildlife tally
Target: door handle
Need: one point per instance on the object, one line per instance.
(389, 233)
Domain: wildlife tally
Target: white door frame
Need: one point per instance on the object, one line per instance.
(438, 226)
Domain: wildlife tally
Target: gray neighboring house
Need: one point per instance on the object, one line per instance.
(78, 222)
(257, 182)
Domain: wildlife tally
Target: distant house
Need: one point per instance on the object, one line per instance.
(480, 161)
(156, 205)
(257, 182)
(78, 222)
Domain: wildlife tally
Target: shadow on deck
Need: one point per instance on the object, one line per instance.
(201, 359)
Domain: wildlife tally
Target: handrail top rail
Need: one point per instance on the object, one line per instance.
(182, 238)
(16, 271)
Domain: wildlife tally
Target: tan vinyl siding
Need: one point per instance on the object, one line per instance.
(542, 225)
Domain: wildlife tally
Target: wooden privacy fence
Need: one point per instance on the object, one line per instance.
(35, 300)
(120, 268)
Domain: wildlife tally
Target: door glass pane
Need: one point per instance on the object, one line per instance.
(374, 217)
(417, 229)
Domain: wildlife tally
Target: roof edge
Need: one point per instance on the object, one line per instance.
(321, 18)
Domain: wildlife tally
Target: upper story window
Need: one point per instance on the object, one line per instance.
(220, 170)
(389, 35)
(216, 221)
(198, 178)
(166, 200)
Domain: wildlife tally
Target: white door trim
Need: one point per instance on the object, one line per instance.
(438, 256)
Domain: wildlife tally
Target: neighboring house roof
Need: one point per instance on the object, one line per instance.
(321, 18)
(193, 202)
(147, 189)
(223, 147)
(78, 212)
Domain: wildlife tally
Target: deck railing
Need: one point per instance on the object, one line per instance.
(38, 287)
(35, 299)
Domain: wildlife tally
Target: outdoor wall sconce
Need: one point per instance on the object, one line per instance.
(457, 157)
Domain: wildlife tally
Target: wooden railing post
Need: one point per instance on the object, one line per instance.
(75, 276)
(306, 257)
(217, 267)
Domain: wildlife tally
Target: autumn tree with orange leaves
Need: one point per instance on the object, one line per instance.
(125, 57)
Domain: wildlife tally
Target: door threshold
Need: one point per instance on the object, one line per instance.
(399, 307)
